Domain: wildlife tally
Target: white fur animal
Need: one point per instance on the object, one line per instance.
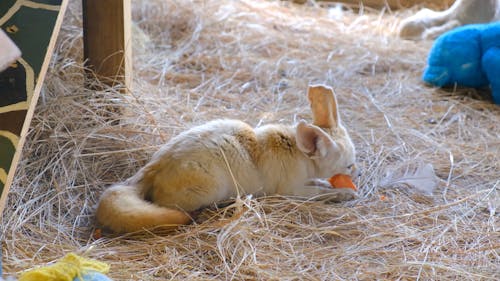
(429, 24)
(218, 160)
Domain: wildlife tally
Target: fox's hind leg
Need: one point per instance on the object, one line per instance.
(428, 24)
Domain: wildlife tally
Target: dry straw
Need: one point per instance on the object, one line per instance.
(199, 60)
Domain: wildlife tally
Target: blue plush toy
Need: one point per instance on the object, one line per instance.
(469, 56)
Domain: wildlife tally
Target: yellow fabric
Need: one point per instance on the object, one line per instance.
(66, 269)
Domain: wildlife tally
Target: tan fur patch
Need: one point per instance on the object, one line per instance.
(248, 140)
(277, 139)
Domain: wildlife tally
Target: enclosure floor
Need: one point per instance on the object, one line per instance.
(196, 61)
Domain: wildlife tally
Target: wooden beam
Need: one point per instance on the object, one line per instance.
(107, 40)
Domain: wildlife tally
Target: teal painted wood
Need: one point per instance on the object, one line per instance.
(30, 24)
(5, 5)
(33, 35)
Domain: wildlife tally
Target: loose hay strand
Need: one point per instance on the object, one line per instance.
(252, 60)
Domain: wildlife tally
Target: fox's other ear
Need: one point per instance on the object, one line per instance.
(323, 106)
(311, 140)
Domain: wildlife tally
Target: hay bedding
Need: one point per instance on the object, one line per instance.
(199, 60)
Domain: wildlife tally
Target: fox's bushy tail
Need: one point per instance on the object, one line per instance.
(122, 209)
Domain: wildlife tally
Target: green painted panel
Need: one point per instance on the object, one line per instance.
(6, 153)
(50, 2)
(33, 35)
(7, 150)
(13, 85)
(5, 6)
(31, 29)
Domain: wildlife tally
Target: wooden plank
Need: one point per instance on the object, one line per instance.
(107, 40)
(33, 27)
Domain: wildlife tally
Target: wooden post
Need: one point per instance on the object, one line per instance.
(107, 40)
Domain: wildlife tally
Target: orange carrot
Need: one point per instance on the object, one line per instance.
(97, 234)
(341, 180)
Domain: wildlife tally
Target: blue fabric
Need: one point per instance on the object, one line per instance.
(468, 56)
(93, 276)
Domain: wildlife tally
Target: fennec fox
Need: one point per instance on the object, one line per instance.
(223, 158)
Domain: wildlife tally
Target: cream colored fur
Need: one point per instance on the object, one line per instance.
(223, 158)
(429, 24)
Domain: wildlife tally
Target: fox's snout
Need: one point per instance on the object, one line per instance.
(355, 171)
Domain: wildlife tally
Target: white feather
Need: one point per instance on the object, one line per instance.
(420, 176)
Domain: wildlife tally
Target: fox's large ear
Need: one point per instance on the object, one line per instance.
(312, 140)
(323, 106)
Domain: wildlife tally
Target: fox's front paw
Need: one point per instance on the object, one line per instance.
(319, 182)
(340, 195)
(322, 190)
